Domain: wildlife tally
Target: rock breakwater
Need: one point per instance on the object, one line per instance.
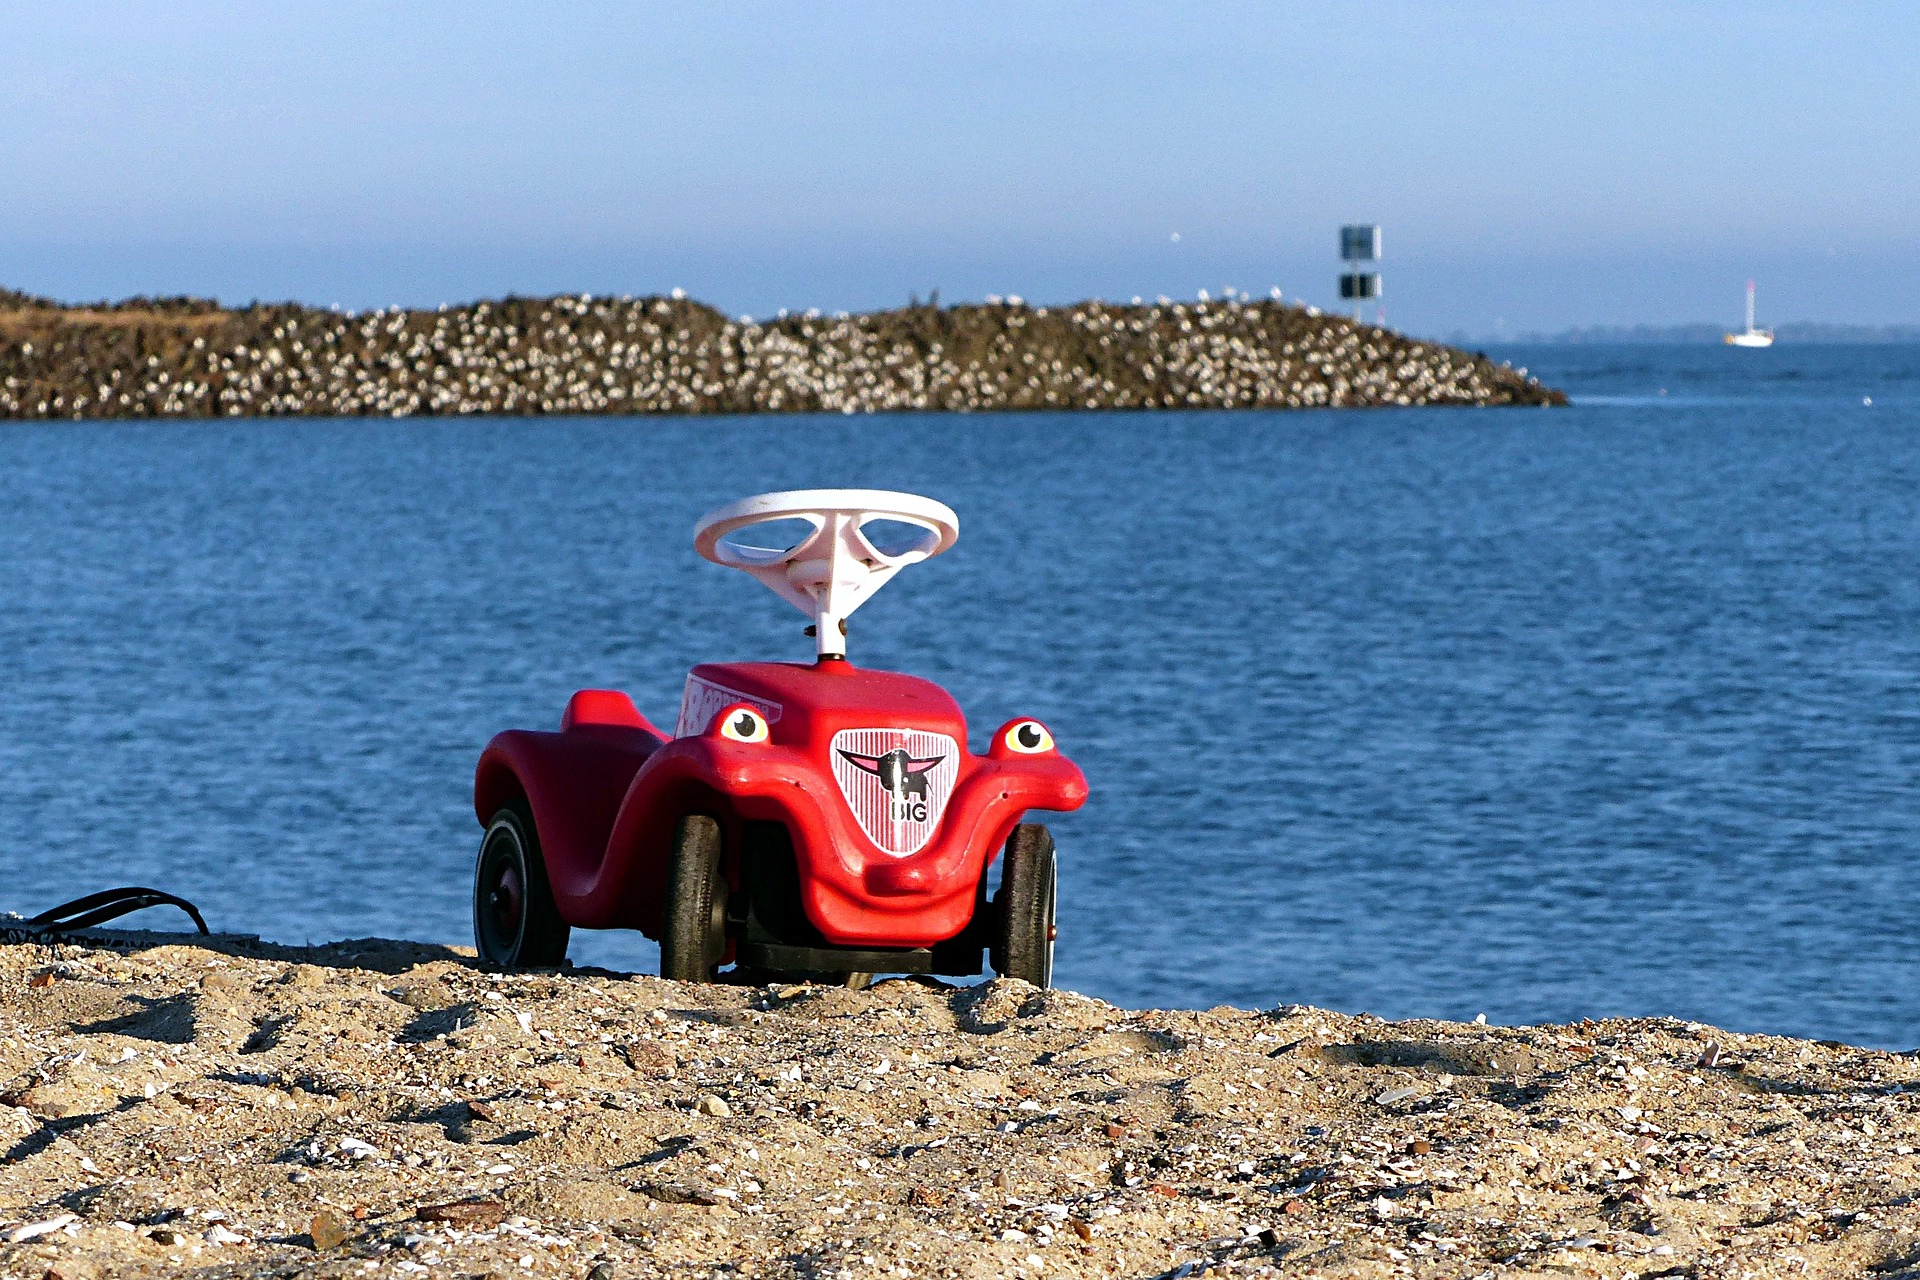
(231, 1108)
(586, 354)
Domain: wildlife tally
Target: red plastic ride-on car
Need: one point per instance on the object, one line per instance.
(802, 819)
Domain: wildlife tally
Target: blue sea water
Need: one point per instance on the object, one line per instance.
(1537, 714)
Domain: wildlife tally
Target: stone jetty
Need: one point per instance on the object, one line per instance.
(583, 354)
(230, 1108)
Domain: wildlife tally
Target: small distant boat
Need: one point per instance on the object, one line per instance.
(1750, 336)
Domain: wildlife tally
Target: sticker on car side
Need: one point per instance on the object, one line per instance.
(702, 700)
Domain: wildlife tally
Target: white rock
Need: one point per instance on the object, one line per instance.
(34, 1230)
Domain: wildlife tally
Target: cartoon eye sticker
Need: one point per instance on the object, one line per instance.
(1028, 737)
(743, 724)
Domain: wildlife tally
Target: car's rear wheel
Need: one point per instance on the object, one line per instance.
(695, 938)
(1023, 909)
(515, 924)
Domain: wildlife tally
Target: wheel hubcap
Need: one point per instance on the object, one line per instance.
(500, 895)
(505, 902)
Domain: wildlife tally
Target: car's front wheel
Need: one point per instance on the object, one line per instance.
(1023, 909)
(515, 924)
(695, 938)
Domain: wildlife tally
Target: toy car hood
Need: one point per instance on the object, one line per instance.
(893, 744)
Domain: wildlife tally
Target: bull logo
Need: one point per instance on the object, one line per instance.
(904, 778)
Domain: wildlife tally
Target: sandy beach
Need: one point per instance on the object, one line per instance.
(238, 1108)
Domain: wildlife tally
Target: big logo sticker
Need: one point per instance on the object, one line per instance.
(896, 783)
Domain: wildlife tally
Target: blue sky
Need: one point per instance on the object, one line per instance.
(1534, 165)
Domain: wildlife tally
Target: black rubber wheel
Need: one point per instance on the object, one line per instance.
(515, 924)
(1023, 909)
(695, 938)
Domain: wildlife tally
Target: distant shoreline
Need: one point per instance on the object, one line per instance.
(189, 358)
(1799, 333)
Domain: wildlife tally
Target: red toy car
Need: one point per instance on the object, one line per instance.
(802, 818)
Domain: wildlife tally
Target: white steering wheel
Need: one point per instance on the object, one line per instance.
(832, 570)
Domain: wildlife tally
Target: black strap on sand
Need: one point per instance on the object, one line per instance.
(108, 904)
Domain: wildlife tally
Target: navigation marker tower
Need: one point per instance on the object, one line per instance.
(1359, 244)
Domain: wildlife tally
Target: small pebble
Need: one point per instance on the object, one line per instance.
(327, 1230)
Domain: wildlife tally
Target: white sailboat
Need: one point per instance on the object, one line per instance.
(1750, 336)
